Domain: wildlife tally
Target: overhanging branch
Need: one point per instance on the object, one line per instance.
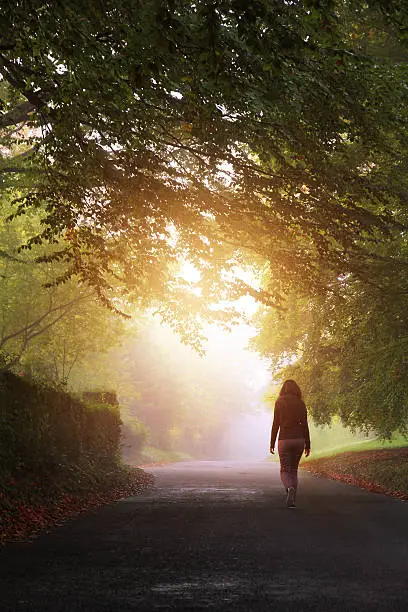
(18, 114)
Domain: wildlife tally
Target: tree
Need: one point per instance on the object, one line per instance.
(45, 332)
(166, 131)
(347, 349)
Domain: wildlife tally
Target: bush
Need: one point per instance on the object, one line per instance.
(41, 428)
(134, 436)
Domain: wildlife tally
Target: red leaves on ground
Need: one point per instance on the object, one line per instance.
(26, 510)
(365, 469)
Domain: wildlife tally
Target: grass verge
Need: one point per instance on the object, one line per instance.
(397, 441)
(31, 504)
(151, 456)
(381, 470)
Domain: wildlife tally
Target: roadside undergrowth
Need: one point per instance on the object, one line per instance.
(31, 504)
(380, 471)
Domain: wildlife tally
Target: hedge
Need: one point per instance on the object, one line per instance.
(41, 428)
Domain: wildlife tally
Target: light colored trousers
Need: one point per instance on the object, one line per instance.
(290, 452)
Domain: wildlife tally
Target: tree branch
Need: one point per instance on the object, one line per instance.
(17, 170)
(5, 255)
(27, 329)
(9, 72)
(47, 326)
(18, 114)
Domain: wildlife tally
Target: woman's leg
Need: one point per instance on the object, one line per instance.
(290, 452)
(284, 456)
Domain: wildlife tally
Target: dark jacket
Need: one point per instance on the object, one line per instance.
(290, 418)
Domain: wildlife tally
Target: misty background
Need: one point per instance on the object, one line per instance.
(177, 404)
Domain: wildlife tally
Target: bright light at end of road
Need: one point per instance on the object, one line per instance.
(246, 305)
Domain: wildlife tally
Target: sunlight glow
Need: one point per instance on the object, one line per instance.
(189, 272)
(246, 305)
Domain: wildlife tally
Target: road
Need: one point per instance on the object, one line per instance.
(217, 536)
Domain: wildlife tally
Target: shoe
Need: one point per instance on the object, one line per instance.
(290, 498)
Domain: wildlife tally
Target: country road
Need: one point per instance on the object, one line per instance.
(216, 535)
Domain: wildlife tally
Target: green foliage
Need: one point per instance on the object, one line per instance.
(153, 455)
(148, 134)
(133, 440)
(347, 350)
(46, 332)
(41, 428)
(170, 131)
(357, 446)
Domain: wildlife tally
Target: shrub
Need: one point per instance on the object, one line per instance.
(134, 436)
(41, 428)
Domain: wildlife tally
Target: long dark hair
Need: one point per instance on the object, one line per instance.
(290, 387)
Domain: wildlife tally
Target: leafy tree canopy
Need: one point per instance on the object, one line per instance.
(45, 333)
(170, 130)
(347, 349)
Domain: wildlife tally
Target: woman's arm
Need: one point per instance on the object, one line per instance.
(275, 426)
(307, 435)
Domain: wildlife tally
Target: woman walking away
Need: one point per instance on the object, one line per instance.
(290, 418)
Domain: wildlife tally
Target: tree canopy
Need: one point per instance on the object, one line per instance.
(45, 333)
(169, 130)
(142, 135)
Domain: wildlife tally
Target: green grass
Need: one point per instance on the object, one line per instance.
(152, 455)
(397, 441)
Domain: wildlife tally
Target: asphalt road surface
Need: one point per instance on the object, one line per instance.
(217, 536)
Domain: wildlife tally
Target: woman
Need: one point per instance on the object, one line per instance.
(290, 418)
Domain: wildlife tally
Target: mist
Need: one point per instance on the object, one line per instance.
(248, 437)
(176, 404)
(192, 406)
